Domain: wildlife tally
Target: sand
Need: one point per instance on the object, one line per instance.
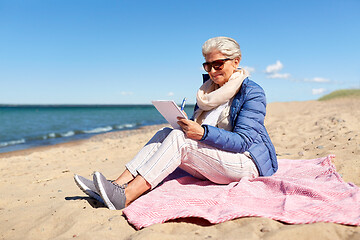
(39, 199)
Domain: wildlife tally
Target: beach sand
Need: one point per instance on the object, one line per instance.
(39, 199)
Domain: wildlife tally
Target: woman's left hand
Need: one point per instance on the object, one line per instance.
(191, 129)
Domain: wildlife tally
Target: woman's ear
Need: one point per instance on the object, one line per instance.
(236, 62)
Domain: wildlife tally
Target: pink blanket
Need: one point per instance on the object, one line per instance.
(302, 191)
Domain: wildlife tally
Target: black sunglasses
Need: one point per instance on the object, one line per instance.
(217, 64)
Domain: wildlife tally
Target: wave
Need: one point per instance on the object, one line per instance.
(67, 134)
(125, 126)
(55, 135)
(14, 142)
(51, 135)
(110, 128)
(99, 130)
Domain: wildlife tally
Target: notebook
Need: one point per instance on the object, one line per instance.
(170, 111)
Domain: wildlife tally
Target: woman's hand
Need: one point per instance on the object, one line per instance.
(191, 129)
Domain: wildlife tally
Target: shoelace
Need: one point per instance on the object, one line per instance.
(120, 186)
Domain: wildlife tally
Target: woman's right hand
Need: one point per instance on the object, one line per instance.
(191, 129)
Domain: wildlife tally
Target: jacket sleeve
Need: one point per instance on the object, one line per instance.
(247, 125)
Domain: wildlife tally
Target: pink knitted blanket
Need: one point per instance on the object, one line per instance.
(302, 191)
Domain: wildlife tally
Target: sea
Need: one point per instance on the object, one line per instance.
(27, 126)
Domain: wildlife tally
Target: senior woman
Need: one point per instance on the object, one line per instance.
(224, 141)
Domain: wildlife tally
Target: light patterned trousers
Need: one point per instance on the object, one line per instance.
(170, 148)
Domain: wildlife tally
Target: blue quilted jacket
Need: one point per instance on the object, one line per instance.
(247, 113)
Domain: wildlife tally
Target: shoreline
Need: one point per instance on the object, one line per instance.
(70, 123)
(73, 142)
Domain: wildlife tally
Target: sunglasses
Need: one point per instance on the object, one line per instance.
(217, 64)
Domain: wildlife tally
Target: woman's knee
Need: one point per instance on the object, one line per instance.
(159, 136)
(165, 130)
(176, 131)
(162, 133)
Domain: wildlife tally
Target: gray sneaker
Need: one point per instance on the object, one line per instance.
(88, 187)
(112, 193)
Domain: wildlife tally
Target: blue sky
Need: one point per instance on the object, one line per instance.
(121, 52)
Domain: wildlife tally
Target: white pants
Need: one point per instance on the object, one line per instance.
(170, 148)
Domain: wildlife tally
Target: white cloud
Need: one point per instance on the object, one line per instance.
(279, 75)
(170, 94)
(274, 67)
(317, 91)
(249, 69)
(318, 80)
(126, 93)
(272, 71)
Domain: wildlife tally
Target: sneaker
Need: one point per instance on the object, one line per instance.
(112, 193)
(88, 187)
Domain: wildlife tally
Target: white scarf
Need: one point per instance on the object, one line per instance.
(210, 96)
(211, 117)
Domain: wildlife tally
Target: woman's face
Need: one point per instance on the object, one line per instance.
(220, 77)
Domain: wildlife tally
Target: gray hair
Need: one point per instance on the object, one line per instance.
(227, 46)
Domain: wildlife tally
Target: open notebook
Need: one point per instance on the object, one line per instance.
(170, 111)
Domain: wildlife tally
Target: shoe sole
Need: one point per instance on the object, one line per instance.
(87, 190)
(103, 194)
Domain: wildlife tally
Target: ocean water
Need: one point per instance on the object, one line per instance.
(24, 127)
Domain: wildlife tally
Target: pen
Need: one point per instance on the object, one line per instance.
(183, 104)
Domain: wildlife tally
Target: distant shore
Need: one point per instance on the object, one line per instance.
(41, 201)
